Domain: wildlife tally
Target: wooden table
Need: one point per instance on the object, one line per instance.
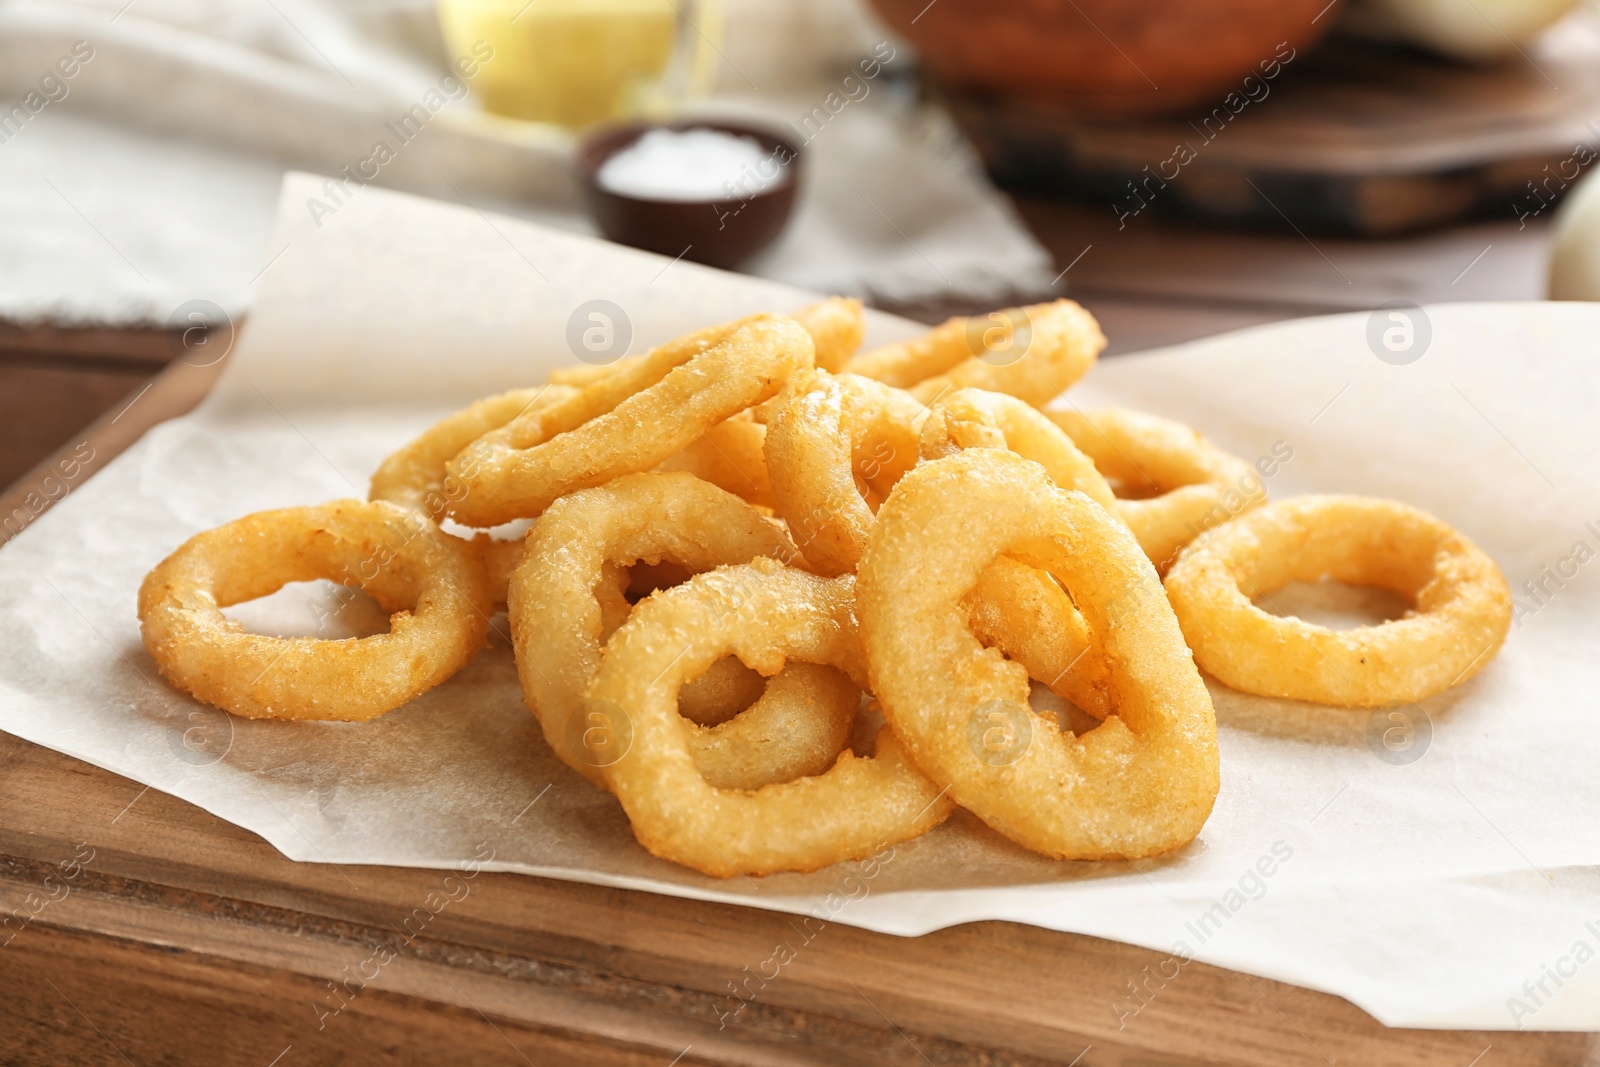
(162, 935)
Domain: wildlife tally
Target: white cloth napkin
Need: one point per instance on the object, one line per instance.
(147, 178)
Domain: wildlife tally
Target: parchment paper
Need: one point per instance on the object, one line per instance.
(1426, 879)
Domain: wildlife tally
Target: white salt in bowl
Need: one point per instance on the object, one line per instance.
(714, 192)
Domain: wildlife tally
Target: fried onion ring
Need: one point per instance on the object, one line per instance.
(823, 444)
(728, 686)
(836, 326)
(1017, 609)
(500, 558)
(834, 445)
(796, 729)
(558, 625)
(433, 585)
(627, 422)
(1032, 353)
(1199, 486)
(976, 418)
(730, 455)
(415, 475)
(767, 615)
(583, 375)
(1139, 784)
(1461, 616)
(1028, 616)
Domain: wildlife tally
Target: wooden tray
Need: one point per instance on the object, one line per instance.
(159, 934)
(1353, 137)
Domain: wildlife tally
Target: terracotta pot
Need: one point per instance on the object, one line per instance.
(1106, 56)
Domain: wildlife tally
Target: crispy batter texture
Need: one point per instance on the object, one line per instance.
(1139, 784)
(433, 585)
(627, 422)
(1019, 610)
(499, 558)
(767, 615)
(415, 475)
(728, 686)
(1032, 353)
(731, 456)
(1198, 486)
(583, 375)
(559, 613)
(795, 730)
(826, 440)
(1461, 616)
(1025, 613)
(835, 444)
(976, 418)
(535, 427)
(836, 325)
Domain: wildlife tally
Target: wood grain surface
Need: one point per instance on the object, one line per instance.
(178, 938)
(111, 428)
(1352, 136)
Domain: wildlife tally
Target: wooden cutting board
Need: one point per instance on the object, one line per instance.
(1353, 137)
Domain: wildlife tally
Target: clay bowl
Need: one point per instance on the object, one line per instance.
(1106, 56)
(721, 233)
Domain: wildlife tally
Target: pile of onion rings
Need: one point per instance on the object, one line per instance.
(745, 544)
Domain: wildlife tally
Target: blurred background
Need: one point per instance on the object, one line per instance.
(1182, 167)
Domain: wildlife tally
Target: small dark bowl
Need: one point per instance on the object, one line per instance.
(721, 233)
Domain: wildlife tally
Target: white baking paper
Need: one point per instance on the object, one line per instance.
(1432, 891)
